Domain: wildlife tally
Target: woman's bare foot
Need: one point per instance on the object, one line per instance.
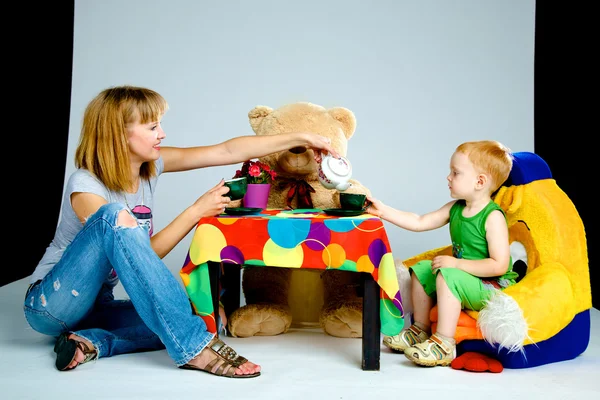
(79, 356)
(207, 355)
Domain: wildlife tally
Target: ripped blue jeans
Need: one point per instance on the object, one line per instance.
(75, 296)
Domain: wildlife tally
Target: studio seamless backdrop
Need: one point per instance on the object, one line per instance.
(421, 77)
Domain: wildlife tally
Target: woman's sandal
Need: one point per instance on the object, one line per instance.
(66, 350)
(227, 356)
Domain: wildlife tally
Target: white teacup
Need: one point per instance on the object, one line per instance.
(335, 173)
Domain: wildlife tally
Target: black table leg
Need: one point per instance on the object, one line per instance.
(230, 279)
(214, 274)
(371, 349)
(227, 276)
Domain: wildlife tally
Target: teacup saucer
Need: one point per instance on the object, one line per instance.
(340, 212)
(242, 210)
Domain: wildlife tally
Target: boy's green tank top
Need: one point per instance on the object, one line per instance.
(469, 239)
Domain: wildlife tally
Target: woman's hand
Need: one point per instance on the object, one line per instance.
(375, 207)
(213, 202)
(321, 144)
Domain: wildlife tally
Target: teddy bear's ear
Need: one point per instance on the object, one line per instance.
(257, 114)
(346, 118)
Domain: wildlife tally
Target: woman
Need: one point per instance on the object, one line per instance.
(106, 234)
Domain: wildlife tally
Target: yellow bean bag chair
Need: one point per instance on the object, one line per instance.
(545, 316)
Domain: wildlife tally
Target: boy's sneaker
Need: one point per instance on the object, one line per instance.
(405, 339)
(431, 353)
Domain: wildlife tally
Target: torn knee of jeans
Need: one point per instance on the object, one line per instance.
(126, 219)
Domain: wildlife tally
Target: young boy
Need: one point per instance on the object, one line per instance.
(480, 261)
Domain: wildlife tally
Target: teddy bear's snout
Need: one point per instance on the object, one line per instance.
(298, 150)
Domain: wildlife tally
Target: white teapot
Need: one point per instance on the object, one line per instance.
(335, 173)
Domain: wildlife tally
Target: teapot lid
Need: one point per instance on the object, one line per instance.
(339, 166)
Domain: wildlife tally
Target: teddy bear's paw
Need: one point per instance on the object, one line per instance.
(260, 320)
(234, 204)
(344, 322)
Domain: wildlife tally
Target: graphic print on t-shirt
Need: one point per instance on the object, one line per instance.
(144, 217)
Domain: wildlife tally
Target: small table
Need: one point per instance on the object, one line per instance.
(306, 238)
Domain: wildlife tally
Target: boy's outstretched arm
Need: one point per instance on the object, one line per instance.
(408, 220)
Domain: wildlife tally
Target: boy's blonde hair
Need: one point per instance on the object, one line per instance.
(103, 148)
(491, 158)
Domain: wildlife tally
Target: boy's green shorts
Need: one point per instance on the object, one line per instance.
(467, 288)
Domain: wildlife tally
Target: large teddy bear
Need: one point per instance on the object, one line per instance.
(275, 296)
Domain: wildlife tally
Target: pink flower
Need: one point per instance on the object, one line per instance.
(254, 171)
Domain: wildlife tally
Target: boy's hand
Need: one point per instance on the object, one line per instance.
(442, 262)
(375, 207)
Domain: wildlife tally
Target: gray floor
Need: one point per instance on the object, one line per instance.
(302, 364)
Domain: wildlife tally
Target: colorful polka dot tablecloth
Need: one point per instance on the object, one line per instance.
(294, 239)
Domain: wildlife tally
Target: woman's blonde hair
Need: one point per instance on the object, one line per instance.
(489, 157)
(103, 149)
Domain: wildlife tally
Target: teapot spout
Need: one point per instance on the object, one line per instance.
(343, 186)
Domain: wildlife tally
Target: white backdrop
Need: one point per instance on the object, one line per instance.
(420, 76)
